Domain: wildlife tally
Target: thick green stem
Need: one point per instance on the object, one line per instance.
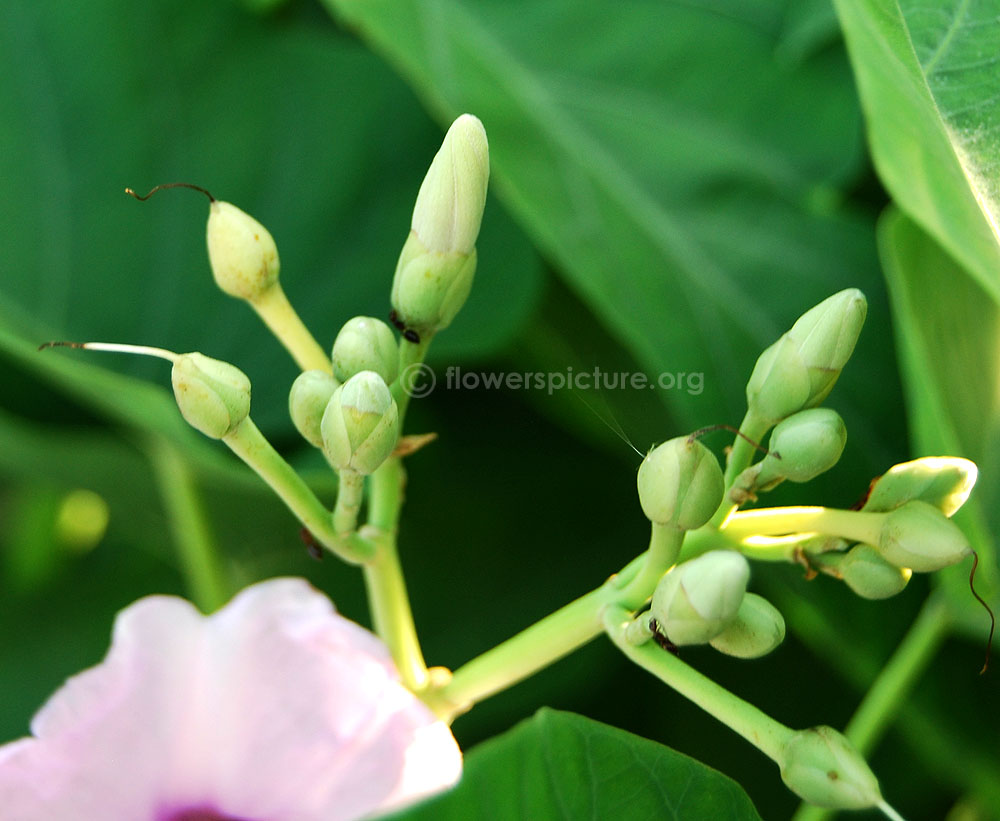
(740, 457)
(281, 319)
(199, 560)
(350, 492)
(855, 525)
(766, 734)
(535, 647)
(249, 444)
(522, 655)
(664, 548)
(387, 597)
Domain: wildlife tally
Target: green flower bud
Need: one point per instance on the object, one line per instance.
(241, 251)
(213, 396)
(800, 369)
(680, 484)
(757, 630)
(919, 536)
(822, 767)
(699, 599)
(366, 344)
(803, 446)
(868, 574)
(360, 425)
(307, 401)
(438, 261)
(942, 481)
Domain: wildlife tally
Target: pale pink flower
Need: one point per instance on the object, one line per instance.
(275, 708)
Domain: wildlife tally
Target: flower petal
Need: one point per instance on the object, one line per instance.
(274, 708)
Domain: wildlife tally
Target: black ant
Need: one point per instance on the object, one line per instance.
(313, 547)
(409, 334)
(661, 639)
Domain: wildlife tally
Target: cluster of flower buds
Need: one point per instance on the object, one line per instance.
(705, 601)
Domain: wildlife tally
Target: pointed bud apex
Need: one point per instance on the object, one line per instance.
(241, 251)
(868, 574)
(919, 536)
(800, 369)
(360, 426)
(310, 394)
(699, 599)
(680, 484)
(366, 344)
(822, 767)
(757, 630)
(802, 446)
(452, 197)
(942, 481)
(213, 396)
(436, 267)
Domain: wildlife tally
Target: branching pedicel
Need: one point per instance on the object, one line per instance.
(688, 587)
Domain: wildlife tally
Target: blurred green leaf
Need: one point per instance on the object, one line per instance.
(948, 331)
(298, 126)
(629, 141)
(929, 82)
(559, 765)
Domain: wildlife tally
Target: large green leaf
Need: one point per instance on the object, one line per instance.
(948, 331)
(929, 78)
(279, 116)
(681, 173)
(559, 765)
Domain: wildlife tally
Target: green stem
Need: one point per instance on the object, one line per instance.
(766, 734)
(534, 648)
(411, 354)
(350, 492)
(207, 583)
(888, 693)
(524, 654)
(740, 457)
(281, 319)
(249, 444)
(387, 596)
(664, 547)
(855, 525)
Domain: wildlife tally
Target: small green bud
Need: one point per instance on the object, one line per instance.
(360, 425)
(241, 251)
(213, 396)
(307, 400)
(800, 369)
(438, 261)
(919, 536)
(757, 630)
(680, 484)
(366, 344)
(943, 481)
(822, 767)
(802, 446)
(699, 599)
(868, 574)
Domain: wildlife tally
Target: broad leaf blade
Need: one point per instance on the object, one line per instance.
(948, 332)
(929, 78)
(684, 218)
(563, 766)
